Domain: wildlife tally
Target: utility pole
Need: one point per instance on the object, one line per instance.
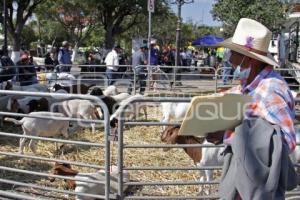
(179, 4)
(4, 47)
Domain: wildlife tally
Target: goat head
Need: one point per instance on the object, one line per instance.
(64, 169)
(169, 135)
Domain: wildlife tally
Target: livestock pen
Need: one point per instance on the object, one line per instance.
(154, 174)
(135, 147)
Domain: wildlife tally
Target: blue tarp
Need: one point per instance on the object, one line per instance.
(207, 40)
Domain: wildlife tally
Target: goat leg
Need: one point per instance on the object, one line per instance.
(22, 144)
(32, 145)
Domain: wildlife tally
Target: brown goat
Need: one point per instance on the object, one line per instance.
(64, 169)
(74, 89)
(170, 136)
(41, 104)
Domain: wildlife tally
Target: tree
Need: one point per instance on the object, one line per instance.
(28, 36)
(18, 12)
(268, 12)
(50, 31)
(76, 17)
(119, 16)
(162, 29)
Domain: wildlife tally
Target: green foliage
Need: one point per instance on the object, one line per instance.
(268, 12)
(50, 32)
(28, 36)
(119, 16)
(100, 23)
(18, 13)
(76, 18)
(96, 38)
(164, 30)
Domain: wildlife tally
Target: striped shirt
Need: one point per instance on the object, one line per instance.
(271, 100)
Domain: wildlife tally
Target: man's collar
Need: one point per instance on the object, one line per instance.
(262, 75)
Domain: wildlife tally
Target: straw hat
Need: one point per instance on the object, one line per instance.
(251, 39)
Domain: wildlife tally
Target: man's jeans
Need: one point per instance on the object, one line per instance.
(141, 76)
(111, 76)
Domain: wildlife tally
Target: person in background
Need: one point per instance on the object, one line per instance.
(112, 64)
(154, 58)
(183, 57)
(226, 71)
(281, 48)
(64, 57)
(179, 69)
(166, 59)
(123, 62)
(139, 58)
(89, 61)
(189, 57)
(196, 57)
(27, 72)
(49, 61)
(212, 58)
(154, 53)
(7, 69)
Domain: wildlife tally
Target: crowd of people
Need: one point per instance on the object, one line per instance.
(117, 62)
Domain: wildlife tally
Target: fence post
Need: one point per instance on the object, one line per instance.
(107, 152)
(120, 155)
(174, 76)
(149, 77)
(216, 80)
(134, 80)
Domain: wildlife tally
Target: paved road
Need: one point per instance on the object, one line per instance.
(192, 82)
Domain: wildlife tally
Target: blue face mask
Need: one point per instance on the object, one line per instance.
(241, 75)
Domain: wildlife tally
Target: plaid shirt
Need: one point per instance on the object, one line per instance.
(272, 101)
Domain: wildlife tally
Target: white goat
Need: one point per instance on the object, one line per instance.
(201, 156)
(78, 108)
(210, 157)
(132, 110)
(110, 90)
(54, 100)
(40, 127)
(173, 111)
(94, 188)
(121, 97)
(80, 185)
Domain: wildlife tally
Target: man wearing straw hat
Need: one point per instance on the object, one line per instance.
(271, 97)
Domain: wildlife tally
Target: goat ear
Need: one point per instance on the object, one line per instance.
(173, 135)
(169, 135)
(63, 170)
(163, 134)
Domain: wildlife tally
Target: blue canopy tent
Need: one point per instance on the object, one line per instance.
(207, 40)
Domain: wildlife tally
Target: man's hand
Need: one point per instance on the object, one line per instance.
(215, 137)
